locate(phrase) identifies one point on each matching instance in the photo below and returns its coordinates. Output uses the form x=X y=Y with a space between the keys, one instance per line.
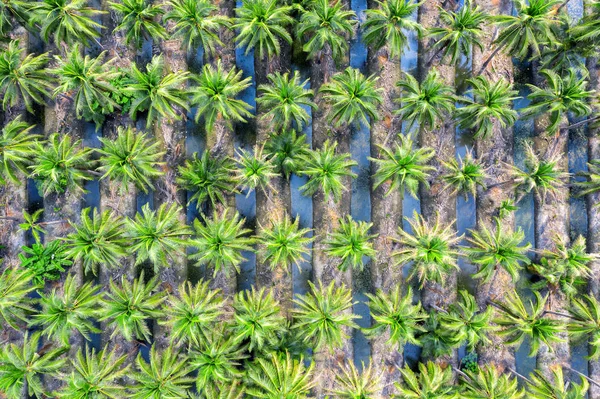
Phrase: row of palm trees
x=254 y=342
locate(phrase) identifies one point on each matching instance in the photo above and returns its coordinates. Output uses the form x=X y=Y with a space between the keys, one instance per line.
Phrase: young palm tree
x=166 y=375
x=15 y=304
x=15 y=10
x=326 y=171
x=284 y=243
x=499 y=249
x=193 y=313
x=541 y=386
x=220 y=241
x=73 y=307
x=23 y=366
x=288 y=151
x=262 y=24
x=197 y=22
x=326 y=26
x=97 y=240
x=568 y=51
x=566 y=268
x=255 y=170
x=129 y=306
x=23 y=79
x=585 y=322
x=31 y=224
x=563 y=95
x=131 y=158
x=216 y=94
x=518 y=321
x=489 y=105
x=139 y=21
x=60 y=165
x=588 y=28
x=437 y=340
x=430 y=248
x=353 y=97
x=461 y=32
x=489 y=383
x=427 y=103
x=94 y=373
x=279 y=376
x=86 y=81
x=592 y=183
x=322 y=315
x=352 y=384
x=285 y=100
x=432 y=381
x=157 y=91
x=46 y=262
x=387 y=24
x=208 y=178
x=257 y=320
x=406 y=167
x=69 y=21
x=464 y=175
x=396 y=314
x=157 y=235
x=17 y=148
x=351 y=242
x=542 y=176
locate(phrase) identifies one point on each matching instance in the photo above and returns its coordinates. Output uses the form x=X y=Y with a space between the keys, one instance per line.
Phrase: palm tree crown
x=464 y=175
x=139 y=21
x=288 y=150
x=432 y=381
x=351 y=242
x=280 y=377
x=352 y=384
x=17 y=148
x=284 y=243
x=15 y=305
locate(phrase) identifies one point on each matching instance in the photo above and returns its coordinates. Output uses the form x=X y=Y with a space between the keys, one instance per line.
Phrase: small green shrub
x=46 y=261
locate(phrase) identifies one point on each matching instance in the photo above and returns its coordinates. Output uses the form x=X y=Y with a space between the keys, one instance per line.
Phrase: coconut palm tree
x=489 y=104
x=592 y=183
x=460 y=33
x=563 y=95
x=192 y=313
x=197 y=22
x=262 y=24
x=131 y=158
x=588 y=27
x=31 y=224
x=568 y=51
x=464 y=175
x=139 y=21
x=326 y=27
x=387 y=24
x=284 y=243
x=352 y=384
x=353 y=98
x=220 y=241
x=326 y=171
x=15 y=304
x=285 y=100
x=518 y=321
x=128 y=306
x=60 y=165
x=94 y=372
x=322 y=315
x=46 y=261
x=432 y=381
x=585 y=322
x=216 y=94
x=288 y=151
x=566 y=268
x=489 y=383
x=97 y=240
x=86 y=82
x=257 y=320
x=437 y=340
x=255 y=170
x=17 y=148
x=23 y=79
x=491 y=250
x=351 y=242
x=427 y=103
x=406 y=166
x=22 y=367
x=165 y=375
x=208 y=178
x=70 y=308
x=15 y=10
x=68 y=21
x=279 y=376
x=395 y=313
x=542 y=386
x=157 y=235
x=156 y=91
x=431 y=248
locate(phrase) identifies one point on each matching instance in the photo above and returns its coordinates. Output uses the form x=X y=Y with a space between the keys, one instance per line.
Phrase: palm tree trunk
x=386 y=213
x=551 y=220
x=433 y=200
x=497 y=149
